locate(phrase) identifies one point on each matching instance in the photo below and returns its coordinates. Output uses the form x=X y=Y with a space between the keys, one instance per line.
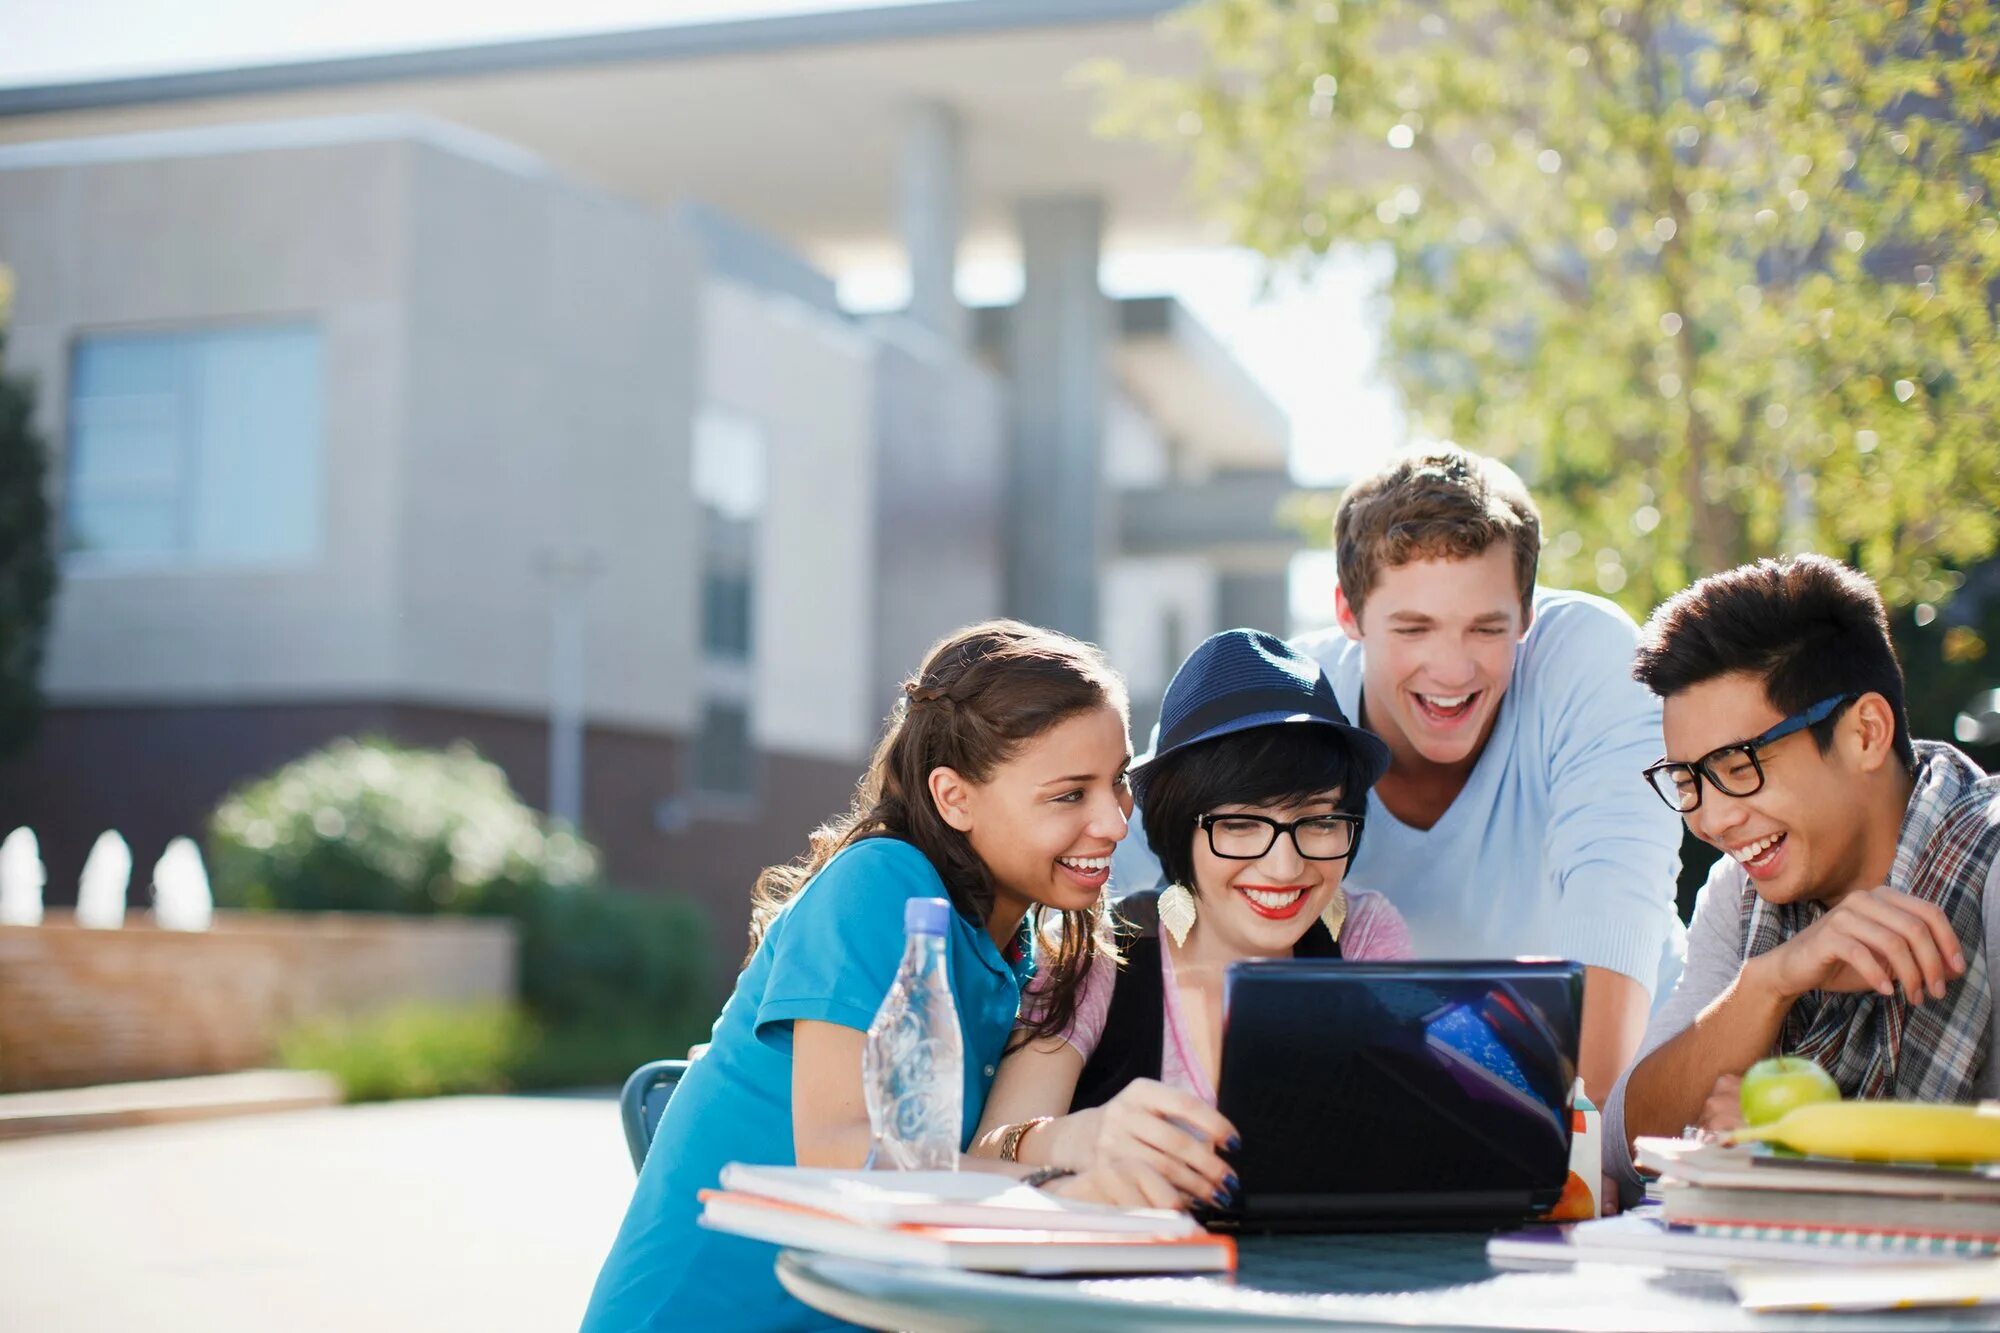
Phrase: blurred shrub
x=589 y=955
x=596 y=1054
x=614 y=979
x=609 y=979
x=414 y=1050
x=27 y=550
x=371 y=826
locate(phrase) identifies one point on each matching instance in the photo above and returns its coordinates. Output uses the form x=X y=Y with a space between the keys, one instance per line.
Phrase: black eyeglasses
x=1733 y=770
x=1247 y=837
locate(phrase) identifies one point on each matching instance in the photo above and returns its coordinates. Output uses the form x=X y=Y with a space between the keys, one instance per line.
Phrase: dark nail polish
x=1235 y=1143
x=1221 y=1198
x=1231 y=1183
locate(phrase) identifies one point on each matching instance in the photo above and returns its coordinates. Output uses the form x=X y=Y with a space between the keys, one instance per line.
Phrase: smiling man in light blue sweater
x=1509 y=822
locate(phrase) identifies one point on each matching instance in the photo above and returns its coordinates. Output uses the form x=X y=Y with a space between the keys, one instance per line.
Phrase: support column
x=931 y=189
x=1261 y=599
x=1058 y=528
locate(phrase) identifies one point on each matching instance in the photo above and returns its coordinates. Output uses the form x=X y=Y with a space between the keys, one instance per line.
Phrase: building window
x=725 y=614
x=729 y=488
x=728 y=485
x=725 y=760
x=196 y=447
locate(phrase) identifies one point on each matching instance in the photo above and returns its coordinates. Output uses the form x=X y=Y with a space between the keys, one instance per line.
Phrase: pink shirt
x=1374 y=930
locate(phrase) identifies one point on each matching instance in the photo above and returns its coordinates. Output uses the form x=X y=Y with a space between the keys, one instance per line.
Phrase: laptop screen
x=1393 y=1093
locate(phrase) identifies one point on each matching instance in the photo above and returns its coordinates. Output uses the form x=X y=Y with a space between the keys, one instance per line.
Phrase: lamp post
x=569 y=571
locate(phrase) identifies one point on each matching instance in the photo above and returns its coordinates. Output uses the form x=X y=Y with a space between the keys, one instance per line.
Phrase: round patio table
x=1353 y=1282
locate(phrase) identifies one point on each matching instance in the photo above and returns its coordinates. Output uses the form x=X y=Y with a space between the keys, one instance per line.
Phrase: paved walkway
x=164 y=1101
x=487 y=1213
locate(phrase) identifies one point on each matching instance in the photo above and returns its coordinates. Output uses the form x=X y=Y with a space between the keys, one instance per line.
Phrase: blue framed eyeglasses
x=1733 y=770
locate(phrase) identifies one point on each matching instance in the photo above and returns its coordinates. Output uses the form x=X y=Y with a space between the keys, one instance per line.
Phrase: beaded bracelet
x=1044 y=1175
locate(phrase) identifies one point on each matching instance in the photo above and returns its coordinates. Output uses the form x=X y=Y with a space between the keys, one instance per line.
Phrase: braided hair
x=980 y=695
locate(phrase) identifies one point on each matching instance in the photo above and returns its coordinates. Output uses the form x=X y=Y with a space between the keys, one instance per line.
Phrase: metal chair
x=644 y=1100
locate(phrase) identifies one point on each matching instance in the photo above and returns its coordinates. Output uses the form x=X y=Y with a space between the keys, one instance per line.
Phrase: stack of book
x=955 y=1219
x=1721 y=1207
x=1755 y=1193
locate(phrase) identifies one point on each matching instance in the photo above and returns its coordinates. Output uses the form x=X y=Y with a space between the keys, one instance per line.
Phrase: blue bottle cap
x=927 y=916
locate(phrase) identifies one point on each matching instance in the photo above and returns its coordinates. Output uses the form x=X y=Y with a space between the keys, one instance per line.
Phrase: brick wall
x=84 y=1006
x=154 y=772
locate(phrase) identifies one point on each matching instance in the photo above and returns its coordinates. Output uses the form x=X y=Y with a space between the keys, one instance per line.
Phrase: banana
x=1882 y=1131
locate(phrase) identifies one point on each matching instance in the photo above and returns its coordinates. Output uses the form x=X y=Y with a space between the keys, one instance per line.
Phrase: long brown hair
x=980 y=695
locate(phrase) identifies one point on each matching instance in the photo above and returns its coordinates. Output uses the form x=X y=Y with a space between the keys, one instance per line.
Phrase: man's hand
x=1873 y=939
x=1723 y=1111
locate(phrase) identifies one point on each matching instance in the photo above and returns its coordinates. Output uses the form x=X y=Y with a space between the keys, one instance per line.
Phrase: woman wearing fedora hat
x=1253 y=802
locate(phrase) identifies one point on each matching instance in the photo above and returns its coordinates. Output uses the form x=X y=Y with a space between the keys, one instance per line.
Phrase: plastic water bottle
x=913 y=1063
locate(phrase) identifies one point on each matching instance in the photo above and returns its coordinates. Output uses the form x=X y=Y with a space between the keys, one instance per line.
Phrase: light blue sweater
x=1555 y=846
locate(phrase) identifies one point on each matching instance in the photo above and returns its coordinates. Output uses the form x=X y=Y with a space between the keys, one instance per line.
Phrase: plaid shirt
x=1881 y=1045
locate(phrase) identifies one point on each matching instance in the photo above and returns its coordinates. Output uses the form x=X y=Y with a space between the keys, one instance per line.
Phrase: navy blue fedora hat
x=1243 y=678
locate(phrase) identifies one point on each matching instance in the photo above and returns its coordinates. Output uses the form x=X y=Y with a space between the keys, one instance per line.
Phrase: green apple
x=1774 y=1086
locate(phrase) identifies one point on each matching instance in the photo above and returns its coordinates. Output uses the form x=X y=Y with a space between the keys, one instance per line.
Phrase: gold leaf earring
x=1176 y=909
x=1335 y=915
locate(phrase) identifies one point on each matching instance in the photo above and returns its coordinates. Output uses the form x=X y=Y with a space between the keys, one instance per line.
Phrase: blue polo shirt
x=829 y=956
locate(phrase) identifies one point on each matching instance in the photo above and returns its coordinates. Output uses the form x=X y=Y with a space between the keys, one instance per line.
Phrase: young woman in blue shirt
x=1000 y=784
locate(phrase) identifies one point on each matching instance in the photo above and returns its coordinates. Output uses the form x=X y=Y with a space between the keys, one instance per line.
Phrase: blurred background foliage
x=368 y=825
x=608 y=979
x=1716 y=275
x=27 y=553
x=414 y=1050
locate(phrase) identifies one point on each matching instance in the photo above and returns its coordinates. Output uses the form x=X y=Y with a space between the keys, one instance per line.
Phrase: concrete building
x=396 y=395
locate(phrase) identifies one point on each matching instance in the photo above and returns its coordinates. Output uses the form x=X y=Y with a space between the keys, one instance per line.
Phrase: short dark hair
x=1809 y=627
x=1272 y=765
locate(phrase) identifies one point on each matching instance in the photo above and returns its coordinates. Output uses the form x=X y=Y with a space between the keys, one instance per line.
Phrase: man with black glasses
x=1847 y=921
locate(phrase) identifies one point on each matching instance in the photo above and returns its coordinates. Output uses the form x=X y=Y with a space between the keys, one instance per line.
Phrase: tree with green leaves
x=1717 y=275
x=27 y=563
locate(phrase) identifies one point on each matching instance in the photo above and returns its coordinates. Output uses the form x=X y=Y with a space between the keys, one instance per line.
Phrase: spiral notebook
x=1843 y=1241
x=1642 y=1238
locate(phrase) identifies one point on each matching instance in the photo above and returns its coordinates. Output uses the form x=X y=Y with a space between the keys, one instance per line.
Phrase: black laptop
x=1390 y=1096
